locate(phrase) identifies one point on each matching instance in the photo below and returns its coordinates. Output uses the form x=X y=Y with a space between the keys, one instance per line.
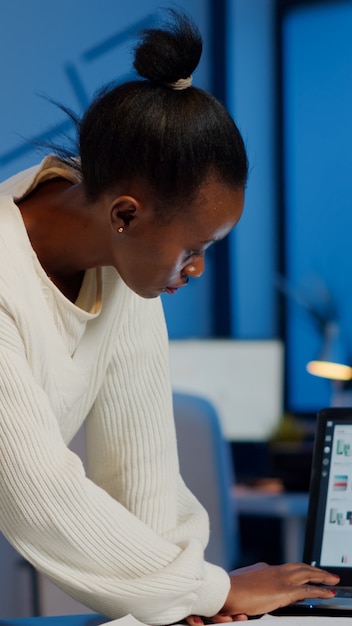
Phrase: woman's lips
x=172 y=290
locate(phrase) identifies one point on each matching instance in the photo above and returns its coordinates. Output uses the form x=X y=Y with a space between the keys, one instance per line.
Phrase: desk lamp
x=333 y=361
x=333 y=364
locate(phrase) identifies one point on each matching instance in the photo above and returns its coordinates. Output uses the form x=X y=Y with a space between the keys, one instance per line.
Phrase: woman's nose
x=195 y=269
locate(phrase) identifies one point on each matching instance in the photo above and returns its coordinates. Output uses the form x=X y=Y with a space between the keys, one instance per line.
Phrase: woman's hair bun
x=166 y=54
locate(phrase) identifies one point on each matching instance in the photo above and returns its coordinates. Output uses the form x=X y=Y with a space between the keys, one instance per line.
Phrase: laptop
x=328 y=536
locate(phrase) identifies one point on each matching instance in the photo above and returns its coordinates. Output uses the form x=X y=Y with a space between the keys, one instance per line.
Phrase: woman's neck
x=54 y=217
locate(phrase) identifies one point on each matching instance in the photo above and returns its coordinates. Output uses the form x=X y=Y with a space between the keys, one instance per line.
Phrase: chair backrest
x=207 y=469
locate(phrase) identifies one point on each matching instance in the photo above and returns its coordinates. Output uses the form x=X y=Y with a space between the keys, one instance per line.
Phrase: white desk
x=290 y=508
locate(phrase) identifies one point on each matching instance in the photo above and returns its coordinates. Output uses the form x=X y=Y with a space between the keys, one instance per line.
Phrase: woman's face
x=153 y=257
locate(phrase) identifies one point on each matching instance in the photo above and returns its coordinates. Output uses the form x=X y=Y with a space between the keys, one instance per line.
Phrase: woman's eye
x=192 y=253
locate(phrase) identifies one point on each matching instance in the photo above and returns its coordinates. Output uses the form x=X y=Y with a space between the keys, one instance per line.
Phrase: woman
x=87 y=247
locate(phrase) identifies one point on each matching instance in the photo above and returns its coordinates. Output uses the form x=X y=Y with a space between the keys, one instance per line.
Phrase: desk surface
x=256 y=502
x=57 y=620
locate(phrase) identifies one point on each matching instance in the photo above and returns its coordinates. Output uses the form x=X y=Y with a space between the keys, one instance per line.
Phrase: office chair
x=206 y=467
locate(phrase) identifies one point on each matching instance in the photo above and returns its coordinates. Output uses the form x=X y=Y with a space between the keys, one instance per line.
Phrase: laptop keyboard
x=343 y=592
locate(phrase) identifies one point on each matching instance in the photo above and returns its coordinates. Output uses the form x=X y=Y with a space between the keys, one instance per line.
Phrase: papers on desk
x=266 y=620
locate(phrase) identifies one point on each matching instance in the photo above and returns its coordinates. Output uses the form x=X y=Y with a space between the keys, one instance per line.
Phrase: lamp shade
x=333 y=362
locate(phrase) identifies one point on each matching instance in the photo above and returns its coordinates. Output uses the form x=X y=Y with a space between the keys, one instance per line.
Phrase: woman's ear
x=122 y=211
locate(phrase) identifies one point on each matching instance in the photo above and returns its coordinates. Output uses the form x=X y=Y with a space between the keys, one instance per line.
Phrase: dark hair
x=145 y=129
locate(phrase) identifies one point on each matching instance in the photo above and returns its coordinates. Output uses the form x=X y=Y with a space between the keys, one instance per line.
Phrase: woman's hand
x=224 y=617
x=261 y=588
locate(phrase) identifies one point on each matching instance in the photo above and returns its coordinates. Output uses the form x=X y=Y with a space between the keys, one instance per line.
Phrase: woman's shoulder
x=17 y=184
x=23 y=182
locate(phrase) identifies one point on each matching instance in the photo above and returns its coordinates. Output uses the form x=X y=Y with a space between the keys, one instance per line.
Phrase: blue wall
x=67 y=51
x=317 y=64
x=317 y=138
x=251 y=100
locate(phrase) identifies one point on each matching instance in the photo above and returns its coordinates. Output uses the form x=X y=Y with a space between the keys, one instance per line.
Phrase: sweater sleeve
x=116 y=545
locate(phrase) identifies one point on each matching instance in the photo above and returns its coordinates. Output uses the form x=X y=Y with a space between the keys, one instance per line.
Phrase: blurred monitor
x=243 y=380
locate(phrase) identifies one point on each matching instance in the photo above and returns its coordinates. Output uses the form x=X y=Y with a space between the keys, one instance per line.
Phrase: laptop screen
x=329 y=522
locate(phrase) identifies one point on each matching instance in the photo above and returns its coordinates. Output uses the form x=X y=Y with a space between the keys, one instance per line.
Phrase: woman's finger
x=194 y=620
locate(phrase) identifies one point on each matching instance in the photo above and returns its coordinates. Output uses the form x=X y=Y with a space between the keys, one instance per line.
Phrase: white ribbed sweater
x=127 y=536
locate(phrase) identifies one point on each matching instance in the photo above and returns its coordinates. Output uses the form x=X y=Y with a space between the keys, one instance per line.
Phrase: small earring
x=120 y=229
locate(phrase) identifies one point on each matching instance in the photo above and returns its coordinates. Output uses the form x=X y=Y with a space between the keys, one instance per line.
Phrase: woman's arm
x=115 y=560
